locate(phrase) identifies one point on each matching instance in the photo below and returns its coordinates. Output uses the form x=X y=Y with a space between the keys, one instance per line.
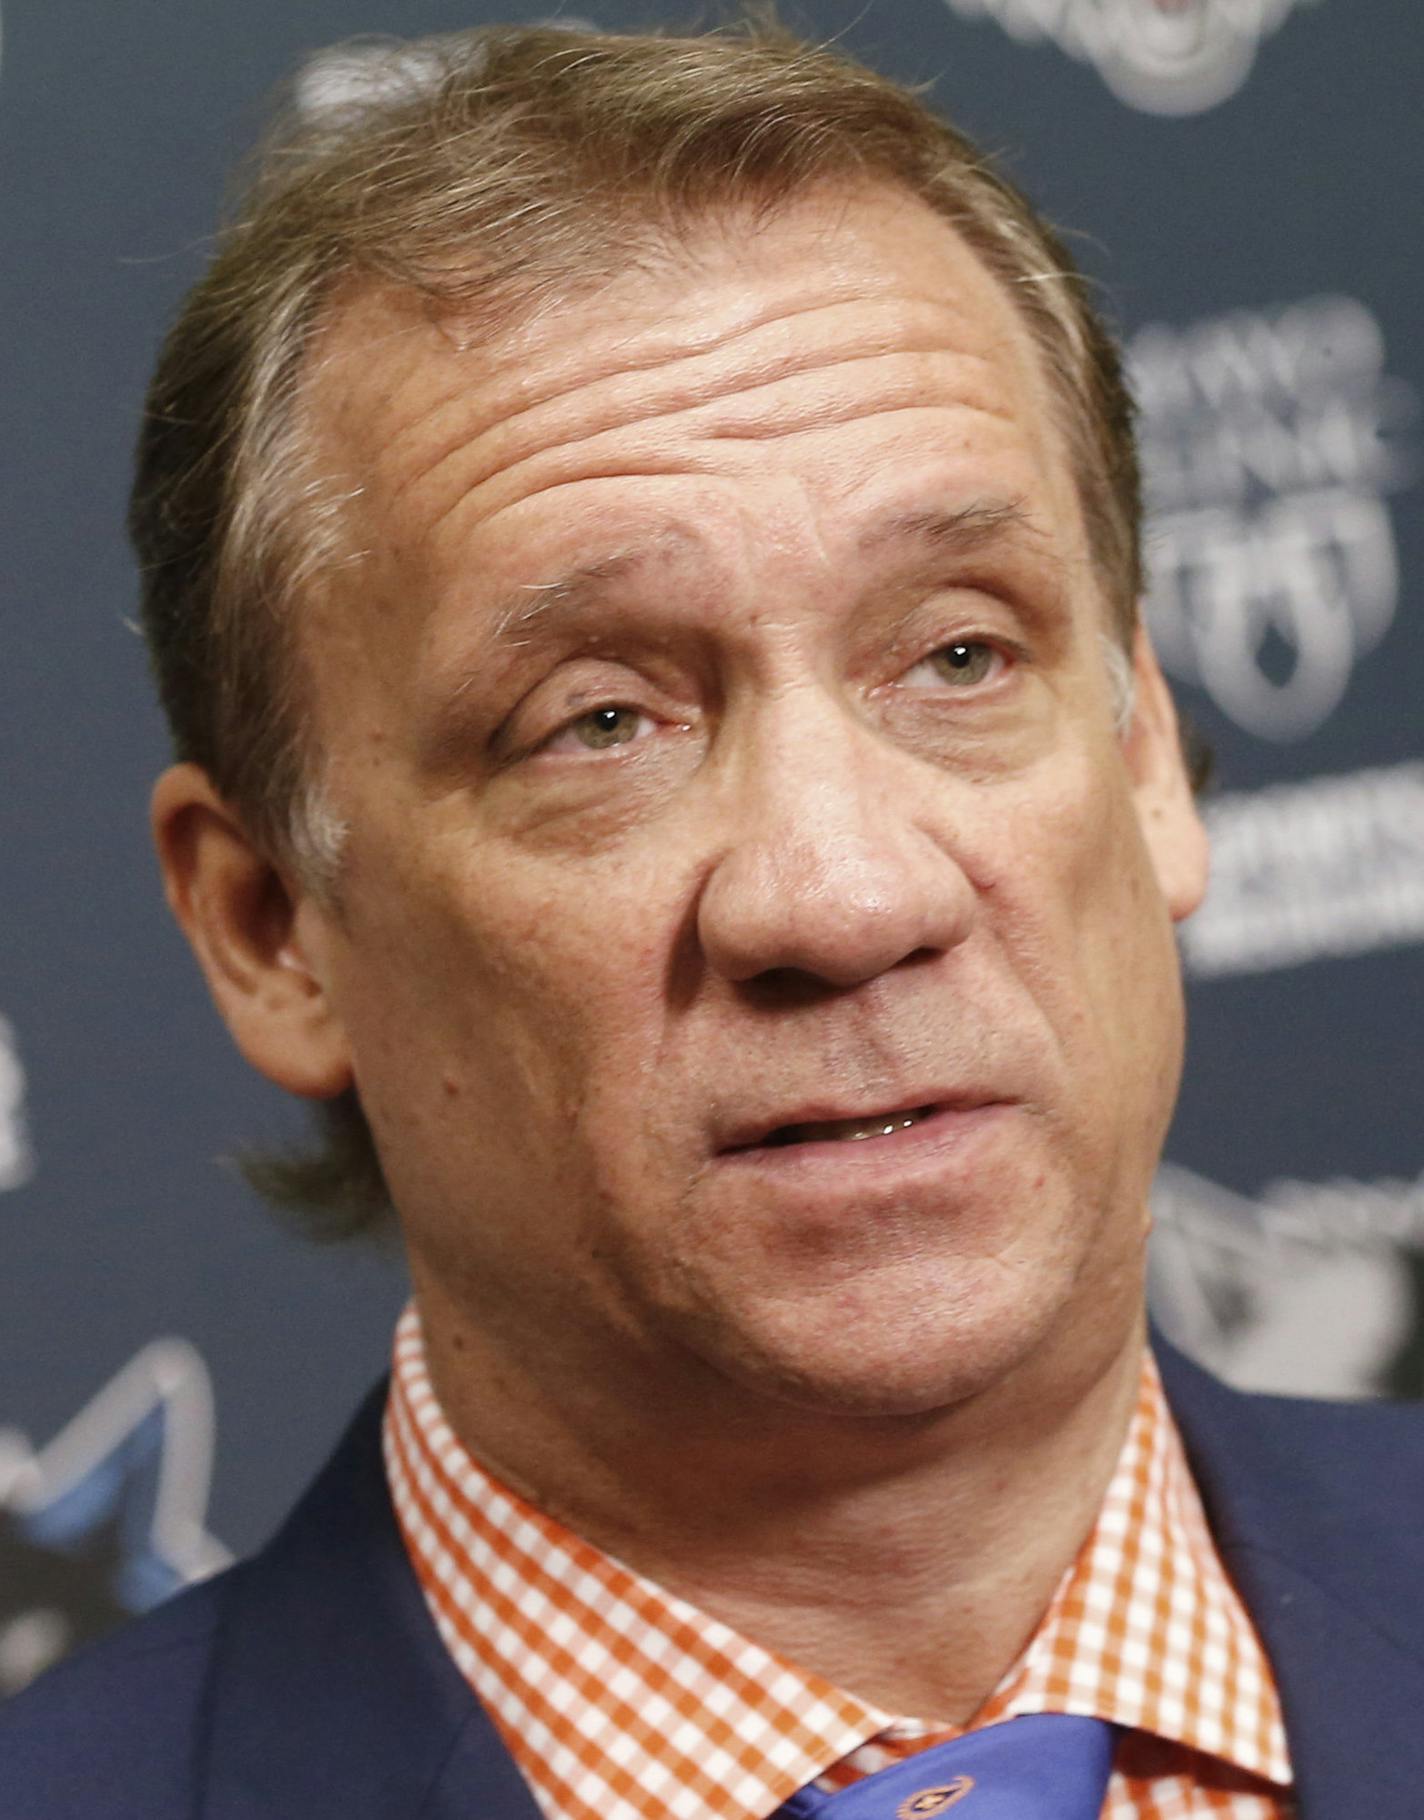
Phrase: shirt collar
x=621 y=1701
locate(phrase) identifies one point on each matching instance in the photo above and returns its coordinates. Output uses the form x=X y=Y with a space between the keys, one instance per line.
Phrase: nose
x=834 y=867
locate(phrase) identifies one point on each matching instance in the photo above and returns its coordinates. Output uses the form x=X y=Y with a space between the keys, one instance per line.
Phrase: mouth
x=821 y=1129
x=843 y=1159
x=860 y=1130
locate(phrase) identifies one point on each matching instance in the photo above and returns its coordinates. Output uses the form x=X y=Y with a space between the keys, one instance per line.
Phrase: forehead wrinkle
x=746 y=416
x=691 y=346
x=779 y=346
x=523 y=395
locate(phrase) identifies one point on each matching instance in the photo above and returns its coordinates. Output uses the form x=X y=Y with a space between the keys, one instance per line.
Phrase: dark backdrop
x=1244 y=178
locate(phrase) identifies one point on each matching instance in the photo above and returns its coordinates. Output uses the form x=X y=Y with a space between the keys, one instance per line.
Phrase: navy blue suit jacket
x=310 y=1684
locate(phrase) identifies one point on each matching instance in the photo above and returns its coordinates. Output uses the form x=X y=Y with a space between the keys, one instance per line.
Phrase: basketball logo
x=928 y=1801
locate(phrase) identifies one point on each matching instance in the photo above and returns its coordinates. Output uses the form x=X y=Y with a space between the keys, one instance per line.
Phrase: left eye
x=600 y=728
x=961 y=665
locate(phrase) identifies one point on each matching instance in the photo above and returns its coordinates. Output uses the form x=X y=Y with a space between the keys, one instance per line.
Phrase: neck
x=906 y=1560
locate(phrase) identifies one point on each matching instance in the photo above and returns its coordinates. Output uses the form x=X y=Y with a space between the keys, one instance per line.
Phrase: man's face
x=754 y=950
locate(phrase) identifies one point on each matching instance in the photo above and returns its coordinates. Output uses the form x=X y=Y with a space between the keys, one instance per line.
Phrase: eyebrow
x=955 y=533
x=951 y=532
x=520 y=612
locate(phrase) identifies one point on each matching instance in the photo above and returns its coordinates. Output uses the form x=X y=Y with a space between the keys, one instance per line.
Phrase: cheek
x=1131 y=995
x=1089 y=935
x=492 y=995
x=1095 y=867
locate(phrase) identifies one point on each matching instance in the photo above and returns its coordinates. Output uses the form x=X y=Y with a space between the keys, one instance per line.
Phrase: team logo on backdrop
x=1163 y=56
x=1307 y=871
x=1271 y=443
x=17 y=1161
x=1311 y=1288
x=109 y=1517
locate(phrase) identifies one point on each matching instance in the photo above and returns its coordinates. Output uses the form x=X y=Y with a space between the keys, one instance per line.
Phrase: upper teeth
x=880 y=1124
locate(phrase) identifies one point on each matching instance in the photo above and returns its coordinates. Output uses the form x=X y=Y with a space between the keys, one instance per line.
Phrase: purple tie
x=1045 y=1766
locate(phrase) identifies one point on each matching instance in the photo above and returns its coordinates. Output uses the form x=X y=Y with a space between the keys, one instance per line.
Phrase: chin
x=928 y=1349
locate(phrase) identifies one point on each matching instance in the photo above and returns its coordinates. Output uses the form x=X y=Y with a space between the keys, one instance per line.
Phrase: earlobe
x=257 y=939
x=1166 y=810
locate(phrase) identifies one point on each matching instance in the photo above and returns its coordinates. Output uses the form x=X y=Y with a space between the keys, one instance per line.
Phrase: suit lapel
x=332 y=1694
x=1316 y=1512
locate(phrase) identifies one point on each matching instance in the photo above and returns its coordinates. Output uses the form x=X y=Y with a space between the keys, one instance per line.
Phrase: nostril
x=788 y=988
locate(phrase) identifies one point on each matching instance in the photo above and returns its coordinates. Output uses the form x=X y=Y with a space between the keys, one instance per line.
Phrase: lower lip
x=930 y=1141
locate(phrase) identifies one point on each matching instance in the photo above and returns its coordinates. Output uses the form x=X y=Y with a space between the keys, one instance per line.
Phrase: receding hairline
x=365 y=314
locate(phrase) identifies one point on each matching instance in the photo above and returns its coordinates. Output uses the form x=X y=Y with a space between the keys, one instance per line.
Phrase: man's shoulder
x=125 y=1729
x=114 y=1729
x=307 y=1681
x=1319 y=1436
x=1315 y=1509
x=1335 y=1483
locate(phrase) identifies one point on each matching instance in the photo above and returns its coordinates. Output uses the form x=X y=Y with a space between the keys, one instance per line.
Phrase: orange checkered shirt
x=620 y=1701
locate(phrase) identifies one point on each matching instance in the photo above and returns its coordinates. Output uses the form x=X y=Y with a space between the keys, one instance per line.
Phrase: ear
x=260 y=941
x=1166 y=812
